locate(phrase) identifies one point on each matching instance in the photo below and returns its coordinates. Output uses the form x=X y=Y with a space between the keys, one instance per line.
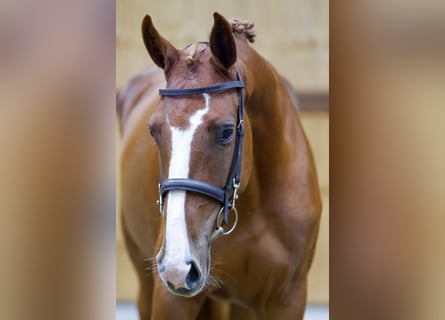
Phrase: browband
x=200 y=90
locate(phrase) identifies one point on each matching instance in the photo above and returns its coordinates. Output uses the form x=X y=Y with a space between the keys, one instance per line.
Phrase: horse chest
x=249 y=266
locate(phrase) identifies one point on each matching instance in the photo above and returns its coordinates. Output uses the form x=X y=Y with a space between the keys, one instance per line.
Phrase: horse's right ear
x=161 y=51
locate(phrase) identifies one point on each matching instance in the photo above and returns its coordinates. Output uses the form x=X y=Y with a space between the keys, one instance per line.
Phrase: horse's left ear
x=222 y=42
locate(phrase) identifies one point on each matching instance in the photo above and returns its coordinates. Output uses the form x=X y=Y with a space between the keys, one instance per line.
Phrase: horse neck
x=269 y=107
x=267 y=98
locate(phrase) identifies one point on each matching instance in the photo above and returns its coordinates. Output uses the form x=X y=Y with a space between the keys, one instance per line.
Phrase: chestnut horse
x=226 y=138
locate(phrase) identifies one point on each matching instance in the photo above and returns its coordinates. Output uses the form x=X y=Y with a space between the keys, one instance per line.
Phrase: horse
x=225 y=138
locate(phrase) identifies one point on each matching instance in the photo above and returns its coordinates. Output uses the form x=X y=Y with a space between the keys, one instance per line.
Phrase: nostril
x=193 y=276
x=170 y=285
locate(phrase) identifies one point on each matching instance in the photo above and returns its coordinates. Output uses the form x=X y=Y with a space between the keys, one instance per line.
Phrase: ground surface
x=128 y=311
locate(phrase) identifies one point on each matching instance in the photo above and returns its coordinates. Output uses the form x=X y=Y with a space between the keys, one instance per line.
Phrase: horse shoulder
x=138 y=158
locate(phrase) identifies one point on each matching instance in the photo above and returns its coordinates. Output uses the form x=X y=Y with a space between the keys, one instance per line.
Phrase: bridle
x=228 y=194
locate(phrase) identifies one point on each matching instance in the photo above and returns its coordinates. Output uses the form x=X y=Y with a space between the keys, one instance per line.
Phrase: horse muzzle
x=184 y=279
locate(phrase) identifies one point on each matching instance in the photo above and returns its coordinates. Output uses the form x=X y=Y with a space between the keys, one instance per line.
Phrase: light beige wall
x=316 y=125
x=292 y=34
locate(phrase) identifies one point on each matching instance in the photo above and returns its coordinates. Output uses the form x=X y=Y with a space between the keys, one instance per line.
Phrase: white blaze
x=177 y=248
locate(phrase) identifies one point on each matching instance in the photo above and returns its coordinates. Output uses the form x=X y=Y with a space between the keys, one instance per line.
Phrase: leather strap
x=194 y=186
x=200 y=90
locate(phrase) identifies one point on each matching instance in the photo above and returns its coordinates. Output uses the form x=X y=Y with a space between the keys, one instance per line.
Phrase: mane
x=244 y=28
x=193 y=52
x=239 y=27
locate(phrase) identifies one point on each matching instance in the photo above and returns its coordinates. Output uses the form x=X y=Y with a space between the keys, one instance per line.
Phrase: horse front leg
x=167 y=306
x=145 y=300
x=293 y=308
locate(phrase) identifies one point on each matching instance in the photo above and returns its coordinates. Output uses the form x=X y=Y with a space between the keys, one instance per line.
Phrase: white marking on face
x=177 y=249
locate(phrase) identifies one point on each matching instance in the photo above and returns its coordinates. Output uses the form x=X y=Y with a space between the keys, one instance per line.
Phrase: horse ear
x=161 y=51
x=222 y=42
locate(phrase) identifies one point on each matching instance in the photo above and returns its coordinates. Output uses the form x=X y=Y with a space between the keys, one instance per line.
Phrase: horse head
x=196 y=138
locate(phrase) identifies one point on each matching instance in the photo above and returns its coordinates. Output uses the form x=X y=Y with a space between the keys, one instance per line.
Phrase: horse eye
x=224 y=134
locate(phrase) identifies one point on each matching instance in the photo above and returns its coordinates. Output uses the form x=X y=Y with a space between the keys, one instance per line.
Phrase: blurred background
x=293 y=35
x=57 y=163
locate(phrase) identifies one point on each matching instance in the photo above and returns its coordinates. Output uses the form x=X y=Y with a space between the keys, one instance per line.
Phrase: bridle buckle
x=236 y=186
x=160 y=202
